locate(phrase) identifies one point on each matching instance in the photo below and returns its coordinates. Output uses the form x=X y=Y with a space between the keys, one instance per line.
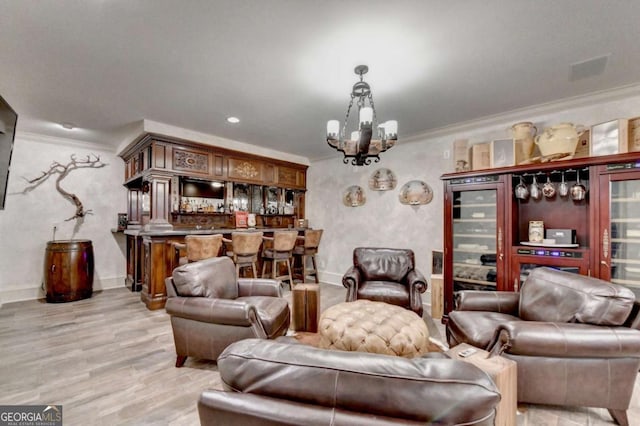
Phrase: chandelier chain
x=375 y=119
x=346 y=117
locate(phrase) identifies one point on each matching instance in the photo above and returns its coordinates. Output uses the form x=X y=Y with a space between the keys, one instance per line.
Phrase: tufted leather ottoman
x=367 y=326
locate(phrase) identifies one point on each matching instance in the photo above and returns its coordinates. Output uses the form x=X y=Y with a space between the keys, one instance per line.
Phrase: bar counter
x=190 y=231
x=150 y=257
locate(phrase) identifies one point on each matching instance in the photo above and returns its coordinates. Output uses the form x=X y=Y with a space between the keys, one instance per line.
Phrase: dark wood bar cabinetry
x=178 y=187
x=486 y=227
x=617 y=235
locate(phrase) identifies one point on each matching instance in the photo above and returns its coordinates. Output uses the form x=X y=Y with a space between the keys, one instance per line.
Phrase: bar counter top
x=189 y=231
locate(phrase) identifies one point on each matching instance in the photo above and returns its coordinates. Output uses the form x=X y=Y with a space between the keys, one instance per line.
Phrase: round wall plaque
x=382 y=180
x=354 y=196
x=415 y=192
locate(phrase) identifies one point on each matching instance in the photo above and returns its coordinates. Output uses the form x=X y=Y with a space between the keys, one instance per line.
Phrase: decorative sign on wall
x=354 y=196
x=382 y=180
x=415 y=192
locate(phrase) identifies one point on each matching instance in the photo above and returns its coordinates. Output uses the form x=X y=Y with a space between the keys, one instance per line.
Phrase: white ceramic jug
x=525 y=132
x=559 y=139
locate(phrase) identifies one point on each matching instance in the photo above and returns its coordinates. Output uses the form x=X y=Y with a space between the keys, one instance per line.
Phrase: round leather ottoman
x=367 y=326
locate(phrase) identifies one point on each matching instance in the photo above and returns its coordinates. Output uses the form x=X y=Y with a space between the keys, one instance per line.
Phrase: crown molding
x=220 y=142
x=525 y=114
x=54 y=140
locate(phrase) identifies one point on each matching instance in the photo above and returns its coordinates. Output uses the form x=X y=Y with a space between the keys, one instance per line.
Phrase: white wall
x=26 y=223
x=383 y=221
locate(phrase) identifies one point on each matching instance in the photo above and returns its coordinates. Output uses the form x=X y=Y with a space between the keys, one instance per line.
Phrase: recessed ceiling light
x=233 y=120
x=68 y=126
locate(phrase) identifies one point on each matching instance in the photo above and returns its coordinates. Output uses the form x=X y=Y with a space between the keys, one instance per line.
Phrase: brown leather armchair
x=272 y=383
x=211 y=308
x=385 y=275
x=566 y=333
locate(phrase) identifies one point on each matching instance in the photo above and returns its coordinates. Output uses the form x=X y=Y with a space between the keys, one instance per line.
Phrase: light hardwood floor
x=110 y=361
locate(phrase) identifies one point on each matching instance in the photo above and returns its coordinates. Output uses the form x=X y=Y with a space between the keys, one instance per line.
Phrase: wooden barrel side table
x=68 y=270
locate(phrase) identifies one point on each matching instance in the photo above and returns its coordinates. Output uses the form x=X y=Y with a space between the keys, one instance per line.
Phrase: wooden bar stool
x=278 y=249
x=306 y=251
x=246 y=246
x=197 y=247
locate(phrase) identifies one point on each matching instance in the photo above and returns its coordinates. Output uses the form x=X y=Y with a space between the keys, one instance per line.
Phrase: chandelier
x=360 y=149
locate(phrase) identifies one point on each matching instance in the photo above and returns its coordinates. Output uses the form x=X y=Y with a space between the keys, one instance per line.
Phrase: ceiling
x=285 y=67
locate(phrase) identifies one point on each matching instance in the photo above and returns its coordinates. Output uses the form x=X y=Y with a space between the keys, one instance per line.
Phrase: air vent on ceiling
x=588 y=68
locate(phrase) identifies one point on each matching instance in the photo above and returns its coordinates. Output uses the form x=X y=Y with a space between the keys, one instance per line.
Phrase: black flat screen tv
x=201 y=188
x=8 y=120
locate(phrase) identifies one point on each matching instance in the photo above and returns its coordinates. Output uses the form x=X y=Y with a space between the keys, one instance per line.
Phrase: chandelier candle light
x=360 y=149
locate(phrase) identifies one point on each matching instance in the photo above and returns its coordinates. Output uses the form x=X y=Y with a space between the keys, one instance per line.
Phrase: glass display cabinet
x=619 y=233
x=474 y=235
x=474 y=240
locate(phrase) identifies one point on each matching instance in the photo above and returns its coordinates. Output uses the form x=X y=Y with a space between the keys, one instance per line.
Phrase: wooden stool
x=308 y=250
x=306 y=307
x=277 y=249
x=246 y=246
x=198 y=247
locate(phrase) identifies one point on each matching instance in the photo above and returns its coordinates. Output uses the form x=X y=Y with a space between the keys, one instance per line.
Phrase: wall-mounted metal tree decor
x=62 y=170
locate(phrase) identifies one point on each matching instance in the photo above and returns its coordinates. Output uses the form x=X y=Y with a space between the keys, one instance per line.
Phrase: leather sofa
x=273 y=383
x=565 y=331
x=385 y=275
x=211 y=308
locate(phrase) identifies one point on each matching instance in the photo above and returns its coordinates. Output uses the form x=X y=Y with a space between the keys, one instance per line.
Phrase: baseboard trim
x=332 y=278
x=37 y=292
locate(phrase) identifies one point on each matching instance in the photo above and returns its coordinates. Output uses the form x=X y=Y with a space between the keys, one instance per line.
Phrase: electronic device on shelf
x=555 y=245
x=550 y=253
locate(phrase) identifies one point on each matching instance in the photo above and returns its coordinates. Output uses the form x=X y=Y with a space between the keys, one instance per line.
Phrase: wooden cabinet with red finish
x=617 y=238
x=475 y=235
x=487 y=219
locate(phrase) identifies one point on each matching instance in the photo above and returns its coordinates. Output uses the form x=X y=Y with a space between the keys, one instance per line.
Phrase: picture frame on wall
x=502 y=153
x=609 y=138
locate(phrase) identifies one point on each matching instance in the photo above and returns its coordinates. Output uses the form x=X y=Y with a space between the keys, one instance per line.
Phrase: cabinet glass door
x=475 y=236
x=624 y=219
x=525 y=259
